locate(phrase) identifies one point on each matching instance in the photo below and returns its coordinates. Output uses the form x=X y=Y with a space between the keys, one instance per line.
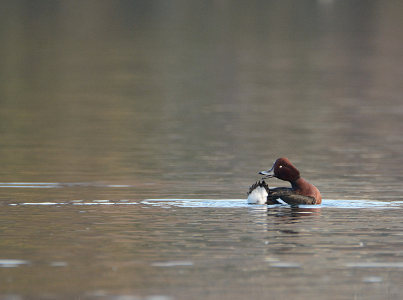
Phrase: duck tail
x=257 y=184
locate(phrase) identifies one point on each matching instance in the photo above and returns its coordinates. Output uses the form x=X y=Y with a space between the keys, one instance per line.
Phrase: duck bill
x=267 y=174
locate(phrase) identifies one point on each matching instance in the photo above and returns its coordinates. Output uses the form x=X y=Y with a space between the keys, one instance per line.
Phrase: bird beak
x=268 y=174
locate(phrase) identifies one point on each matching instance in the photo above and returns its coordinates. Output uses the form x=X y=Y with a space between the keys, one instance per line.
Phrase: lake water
x=131 y=131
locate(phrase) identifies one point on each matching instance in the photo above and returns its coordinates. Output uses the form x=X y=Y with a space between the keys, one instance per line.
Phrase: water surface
x=131 y=131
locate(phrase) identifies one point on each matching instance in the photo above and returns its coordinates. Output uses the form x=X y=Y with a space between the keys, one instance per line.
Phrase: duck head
x=282 y=169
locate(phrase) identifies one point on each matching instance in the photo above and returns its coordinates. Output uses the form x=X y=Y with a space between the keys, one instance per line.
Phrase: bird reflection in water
x=295 y=214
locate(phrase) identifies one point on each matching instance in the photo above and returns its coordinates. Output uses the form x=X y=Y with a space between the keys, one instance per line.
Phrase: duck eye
x=280 y=167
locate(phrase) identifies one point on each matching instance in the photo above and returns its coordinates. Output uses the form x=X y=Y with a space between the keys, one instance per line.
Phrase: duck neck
x=297 y=184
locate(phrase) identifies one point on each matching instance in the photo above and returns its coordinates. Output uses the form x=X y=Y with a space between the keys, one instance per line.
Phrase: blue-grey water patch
x=12 y=263
x=225 y=203
x=58 y=264
x=50 y=185
x=167 y=264
x=77 y=202
x=239 y=203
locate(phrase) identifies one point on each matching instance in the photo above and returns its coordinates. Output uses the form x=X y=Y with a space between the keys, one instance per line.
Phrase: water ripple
x=12 y=263
x=50 y=185
x=77 y=202
x=227 y=203
x=239 y=203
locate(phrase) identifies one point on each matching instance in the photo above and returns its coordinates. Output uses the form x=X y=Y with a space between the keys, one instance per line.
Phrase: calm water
x=131 y=131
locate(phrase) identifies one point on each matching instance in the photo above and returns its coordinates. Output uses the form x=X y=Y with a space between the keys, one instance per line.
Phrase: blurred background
x=192 y=98
x=106 y=102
